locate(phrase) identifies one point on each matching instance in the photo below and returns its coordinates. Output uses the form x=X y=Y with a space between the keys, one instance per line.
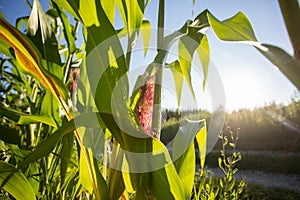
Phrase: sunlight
x=243 y=90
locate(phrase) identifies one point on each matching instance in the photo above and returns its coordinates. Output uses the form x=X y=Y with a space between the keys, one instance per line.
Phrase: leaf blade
x=16 y=183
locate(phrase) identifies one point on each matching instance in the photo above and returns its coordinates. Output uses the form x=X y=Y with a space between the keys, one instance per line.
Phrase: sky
x=248 y=78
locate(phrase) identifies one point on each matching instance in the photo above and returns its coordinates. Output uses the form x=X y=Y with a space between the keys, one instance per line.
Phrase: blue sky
x=248 y=78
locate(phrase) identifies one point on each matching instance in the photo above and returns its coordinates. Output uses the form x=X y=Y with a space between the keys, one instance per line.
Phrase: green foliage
x=44 y=126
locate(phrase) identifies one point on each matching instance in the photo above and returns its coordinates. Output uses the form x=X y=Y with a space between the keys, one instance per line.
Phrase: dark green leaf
x=25 y=119
x=285 y=63
x=10 y=135
x=291 y=15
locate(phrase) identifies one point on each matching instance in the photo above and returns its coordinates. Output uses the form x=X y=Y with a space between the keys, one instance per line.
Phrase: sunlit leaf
x=202 y=141
x=285 y=63
x=109 y=8
x=178 y=78
x=146 y=34
x=291 y=14
x=186 y=51
x=30 y=60
x=204 y=56
x=6 y=49
x=16 y=183
x=165 y=179
x=84 y=171
x=131 y=13
x=236 y=28
x=184 y=154
x=67 y=28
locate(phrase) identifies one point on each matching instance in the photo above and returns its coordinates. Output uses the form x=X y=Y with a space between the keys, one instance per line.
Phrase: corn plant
x=66 y=133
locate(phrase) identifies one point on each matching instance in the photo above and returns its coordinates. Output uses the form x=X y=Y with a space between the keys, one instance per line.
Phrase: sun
x=243 y=90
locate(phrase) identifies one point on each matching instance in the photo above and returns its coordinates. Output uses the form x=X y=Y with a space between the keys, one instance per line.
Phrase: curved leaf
x=30 y=59
x=285 y=63
x=15 y=182
x=235 y=29
x=291 y=15
x=204 y=57
x=178 y=78
x=24 y=119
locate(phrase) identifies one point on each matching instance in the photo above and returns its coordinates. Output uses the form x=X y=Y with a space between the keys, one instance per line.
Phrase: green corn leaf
x=101 y=183
x=178 y=78
x=291 y=16
x=66 y=154
x=67 y=28
x=237 y=28
x=6 y=49
x=84 y=171
x=285 y=63
x=30 y=60
x=201 y=140
x=85 y=180
x=204 y=56
x=109 y=8
x=45 y=147
x=25 y=119
x=10 y=135
x=131 y=13
x=71 y=7
x=165 y=179
x=15 y=183
x=146 y=34
x=185 y=52
x=115 y=181
x=184 y=154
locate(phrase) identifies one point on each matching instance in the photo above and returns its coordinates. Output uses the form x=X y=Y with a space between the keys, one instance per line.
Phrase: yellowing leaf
x=30 y=60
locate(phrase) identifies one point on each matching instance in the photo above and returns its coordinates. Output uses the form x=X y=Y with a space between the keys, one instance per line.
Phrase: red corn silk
x=145 y=104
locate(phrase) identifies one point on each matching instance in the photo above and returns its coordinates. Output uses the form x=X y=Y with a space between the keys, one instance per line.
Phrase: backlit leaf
x=201 y=140
x=146 y=34
x=30 y=60
x=178 y=78
x=204 y=56
x=285 y=63
x=236 y=28
x=16 y=183
x=291 y=16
